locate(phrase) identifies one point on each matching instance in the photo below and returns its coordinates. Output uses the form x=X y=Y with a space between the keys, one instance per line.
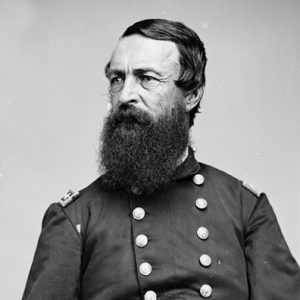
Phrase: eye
x=116 y=80
x=116 y=83
x=147 y=78
x=148 y=82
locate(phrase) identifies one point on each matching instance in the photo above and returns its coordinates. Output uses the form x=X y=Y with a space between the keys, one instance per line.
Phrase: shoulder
x=78 y=206
x=74 y=199
x=224 y=180
x=235 y=194
x=217 y=175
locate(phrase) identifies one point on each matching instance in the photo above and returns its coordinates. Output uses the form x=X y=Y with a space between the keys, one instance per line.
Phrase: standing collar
x=189 y=167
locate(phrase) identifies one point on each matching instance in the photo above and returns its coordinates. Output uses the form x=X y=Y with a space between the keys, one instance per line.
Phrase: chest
x=173 y=243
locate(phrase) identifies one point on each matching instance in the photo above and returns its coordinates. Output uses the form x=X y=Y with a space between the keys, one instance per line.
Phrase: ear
x=192 y=99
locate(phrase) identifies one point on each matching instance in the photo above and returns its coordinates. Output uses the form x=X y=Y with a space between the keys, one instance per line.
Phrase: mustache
x=127 y=113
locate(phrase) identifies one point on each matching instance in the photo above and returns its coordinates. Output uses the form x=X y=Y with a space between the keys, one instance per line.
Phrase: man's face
x=142 y=72
x=145 y=135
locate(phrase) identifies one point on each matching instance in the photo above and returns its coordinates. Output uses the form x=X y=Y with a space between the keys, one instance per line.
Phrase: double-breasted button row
x=141 y=241
x=203 y=234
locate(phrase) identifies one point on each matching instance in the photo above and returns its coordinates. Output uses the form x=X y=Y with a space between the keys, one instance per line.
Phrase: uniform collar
x=189 y=167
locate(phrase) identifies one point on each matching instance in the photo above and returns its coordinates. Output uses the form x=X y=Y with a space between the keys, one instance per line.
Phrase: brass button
x=138 y=213
x=205 y=260
x=206 y=291
x=145 y=269
x=203 y=233
x=141 y=240
x=198 y=179
x=201 y=203
x=150 y=295
x=135 y=190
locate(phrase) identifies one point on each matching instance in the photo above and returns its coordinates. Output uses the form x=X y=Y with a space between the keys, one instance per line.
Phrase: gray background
x=53 y=99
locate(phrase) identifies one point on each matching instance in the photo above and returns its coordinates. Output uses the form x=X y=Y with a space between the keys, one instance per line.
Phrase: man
x=157 y=224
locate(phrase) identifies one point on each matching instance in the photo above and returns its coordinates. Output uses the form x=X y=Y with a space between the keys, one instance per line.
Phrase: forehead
x=136 y=51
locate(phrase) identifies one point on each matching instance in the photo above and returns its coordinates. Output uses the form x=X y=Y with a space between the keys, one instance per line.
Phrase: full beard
x=138 y=151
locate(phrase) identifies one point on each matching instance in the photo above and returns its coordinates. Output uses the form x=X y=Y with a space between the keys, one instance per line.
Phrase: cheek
x=113 y=100
x=168 y=100
x=156 y=101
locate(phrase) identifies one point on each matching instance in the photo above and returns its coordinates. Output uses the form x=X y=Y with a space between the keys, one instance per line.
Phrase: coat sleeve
x=55 y=271
x=272 y=271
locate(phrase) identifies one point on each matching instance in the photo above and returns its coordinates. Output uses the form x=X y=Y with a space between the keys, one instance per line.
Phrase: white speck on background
x=204 y=25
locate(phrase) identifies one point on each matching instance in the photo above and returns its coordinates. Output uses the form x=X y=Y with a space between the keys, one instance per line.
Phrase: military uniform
x=204 y=235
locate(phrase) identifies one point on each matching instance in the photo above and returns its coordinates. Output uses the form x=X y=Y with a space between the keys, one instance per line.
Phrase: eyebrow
x=145 y=70
x=136 y=72
x=114 y=72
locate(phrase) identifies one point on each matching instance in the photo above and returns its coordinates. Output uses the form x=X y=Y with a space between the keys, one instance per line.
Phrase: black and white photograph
x=149 y=150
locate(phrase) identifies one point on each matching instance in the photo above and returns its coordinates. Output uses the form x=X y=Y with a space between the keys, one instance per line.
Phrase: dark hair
x=191 y=49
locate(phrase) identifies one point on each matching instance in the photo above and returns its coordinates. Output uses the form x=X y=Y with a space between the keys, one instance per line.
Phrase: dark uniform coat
x=203 y=236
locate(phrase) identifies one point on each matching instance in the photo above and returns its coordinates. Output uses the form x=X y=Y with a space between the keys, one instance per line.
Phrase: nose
x=129 y=93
